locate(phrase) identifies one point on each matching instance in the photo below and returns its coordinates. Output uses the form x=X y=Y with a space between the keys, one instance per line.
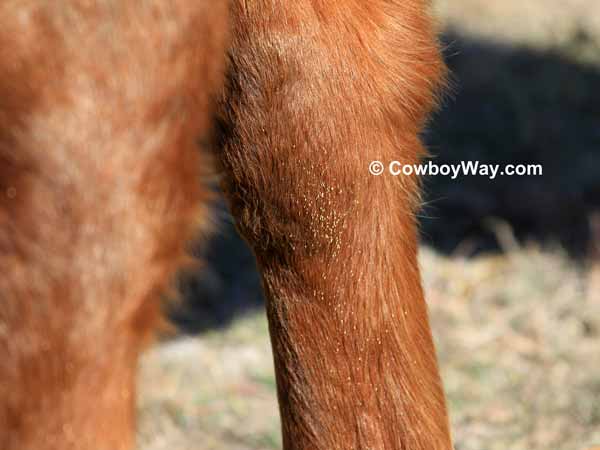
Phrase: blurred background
x=511 y=266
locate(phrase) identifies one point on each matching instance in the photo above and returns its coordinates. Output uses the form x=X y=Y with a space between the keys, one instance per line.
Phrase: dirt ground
x=511 y=268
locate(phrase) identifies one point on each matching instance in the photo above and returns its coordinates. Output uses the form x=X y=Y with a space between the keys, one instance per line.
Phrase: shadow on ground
x=517 y=106
x=511 y=105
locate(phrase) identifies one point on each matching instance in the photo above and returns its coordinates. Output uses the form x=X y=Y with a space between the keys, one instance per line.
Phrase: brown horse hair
x=102 y=104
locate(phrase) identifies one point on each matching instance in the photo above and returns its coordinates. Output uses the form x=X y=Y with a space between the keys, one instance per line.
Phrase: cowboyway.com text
x=454 y=171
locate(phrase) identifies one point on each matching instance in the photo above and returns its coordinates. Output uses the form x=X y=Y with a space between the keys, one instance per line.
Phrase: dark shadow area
x=226 y=287
x=510 y=105
x=516 y=106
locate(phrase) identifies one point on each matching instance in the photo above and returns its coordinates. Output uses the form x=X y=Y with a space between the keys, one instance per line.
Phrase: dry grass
x=543 y=24
x=518 y=333
x=519 y=342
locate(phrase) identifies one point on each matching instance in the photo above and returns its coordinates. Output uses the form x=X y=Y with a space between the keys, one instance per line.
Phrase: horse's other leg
x=101 y=107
